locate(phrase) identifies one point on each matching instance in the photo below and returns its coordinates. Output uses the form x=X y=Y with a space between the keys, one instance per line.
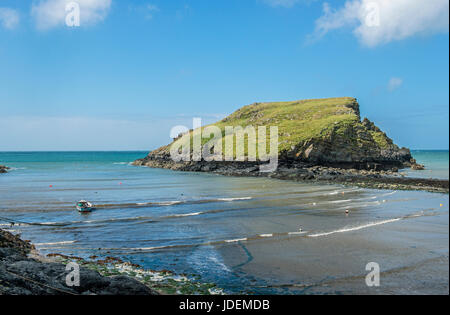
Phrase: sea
x=247 y=235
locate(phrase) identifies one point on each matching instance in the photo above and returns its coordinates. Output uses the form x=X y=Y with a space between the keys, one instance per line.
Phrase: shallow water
x=243 y=233
x=436 y=164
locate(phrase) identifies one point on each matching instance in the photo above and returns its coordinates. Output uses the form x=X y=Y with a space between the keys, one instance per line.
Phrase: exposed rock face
x=3 y=169
x=326 y=132
x=353 y=146
x=21 y=275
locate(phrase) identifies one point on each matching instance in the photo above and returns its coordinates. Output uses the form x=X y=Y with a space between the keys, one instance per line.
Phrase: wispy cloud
x=394 y=83
x=150 y=10
x=376 y=22
x=9 y=18
x=52 y=13
x=147 y=10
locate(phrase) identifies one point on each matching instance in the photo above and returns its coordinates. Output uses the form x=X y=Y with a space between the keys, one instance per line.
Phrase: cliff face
x=320 y=132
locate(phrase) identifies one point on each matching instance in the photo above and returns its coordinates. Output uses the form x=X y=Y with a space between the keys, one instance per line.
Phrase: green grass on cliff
x=301 y=121
x=297 y=121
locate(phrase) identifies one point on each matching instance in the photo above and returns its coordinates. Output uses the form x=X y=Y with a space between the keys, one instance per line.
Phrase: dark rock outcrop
x=299 y=171
x=22 y=275
x=3 y=169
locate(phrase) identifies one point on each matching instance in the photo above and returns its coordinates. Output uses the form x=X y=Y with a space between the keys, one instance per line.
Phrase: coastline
x=24 y=271
x=258 y=210
x=376 y=179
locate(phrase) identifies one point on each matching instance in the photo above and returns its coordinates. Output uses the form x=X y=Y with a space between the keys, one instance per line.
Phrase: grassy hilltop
x=320 y=131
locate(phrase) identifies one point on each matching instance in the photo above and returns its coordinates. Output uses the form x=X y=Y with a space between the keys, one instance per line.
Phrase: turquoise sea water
x=436 y=164
x=242 y=233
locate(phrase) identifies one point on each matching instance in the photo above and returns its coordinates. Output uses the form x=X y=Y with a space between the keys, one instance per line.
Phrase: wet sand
x=412 y=254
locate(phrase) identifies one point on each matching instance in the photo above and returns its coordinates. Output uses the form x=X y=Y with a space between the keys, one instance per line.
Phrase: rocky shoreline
x=3 y=169
x=378 y=177
x=24 y=272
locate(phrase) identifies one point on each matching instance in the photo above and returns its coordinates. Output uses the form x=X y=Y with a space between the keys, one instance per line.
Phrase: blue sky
x=135 y=69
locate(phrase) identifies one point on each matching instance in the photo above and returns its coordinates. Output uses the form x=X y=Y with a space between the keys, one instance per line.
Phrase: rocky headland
x=323 y=140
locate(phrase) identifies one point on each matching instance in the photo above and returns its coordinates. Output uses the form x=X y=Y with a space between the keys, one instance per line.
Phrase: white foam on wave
x=336 y=192
x=121 y=163
x=236 y=240
x=188 y=214
x=360 y=205
x=51 y=223
x=163 y=203
x=234 y=199
x=169 y=203
x=339 y=201
x=55 y=243
x=389 y=193
x=347 y=200
x=218 y=262
x=296 y=233
x=17 y=168
x=265 y=235
x=356 y=228
x=146 y=248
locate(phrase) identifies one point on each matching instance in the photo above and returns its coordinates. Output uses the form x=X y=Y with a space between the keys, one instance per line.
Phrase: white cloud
x=377 y=22
x=52 y=13
x=9 y=18
x=394 y=83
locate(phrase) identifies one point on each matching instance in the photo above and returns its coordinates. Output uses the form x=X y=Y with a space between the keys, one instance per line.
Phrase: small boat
x=84 y=206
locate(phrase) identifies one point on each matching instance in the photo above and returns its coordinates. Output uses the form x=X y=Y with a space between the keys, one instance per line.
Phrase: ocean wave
x=339 y=201
x=17 y=168
x=355 y=228
x=261 y=237
x=185 y=215
x=297 y=233
x=346 y=191
x=170 y=203
x=234 y=199
x=55 y=243
x=236 y=240
x=389 y=193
